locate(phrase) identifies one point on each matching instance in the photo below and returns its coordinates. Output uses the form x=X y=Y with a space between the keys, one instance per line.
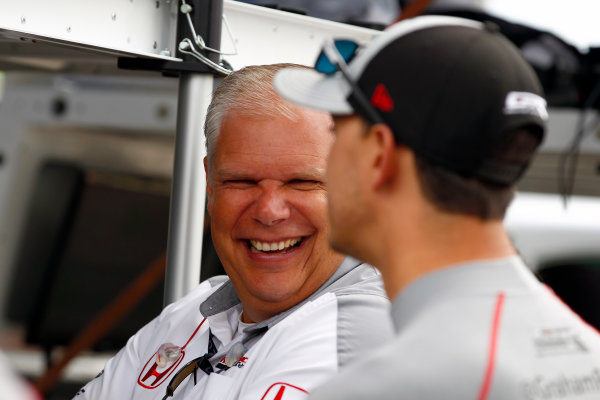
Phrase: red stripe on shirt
x=489 y=371
x=193 y=334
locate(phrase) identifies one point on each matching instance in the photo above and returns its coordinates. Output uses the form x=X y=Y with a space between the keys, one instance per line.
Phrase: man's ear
x=384 y=164
x=209 y=189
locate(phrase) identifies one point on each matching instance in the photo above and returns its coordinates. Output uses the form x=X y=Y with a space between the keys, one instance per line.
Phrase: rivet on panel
x=162 y=112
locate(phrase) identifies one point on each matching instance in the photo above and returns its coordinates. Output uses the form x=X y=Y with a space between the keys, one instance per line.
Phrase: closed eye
x=306 y=184
x=239 y=183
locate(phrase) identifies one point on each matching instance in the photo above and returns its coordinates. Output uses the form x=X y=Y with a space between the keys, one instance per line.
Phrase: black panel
x=50 y=211
x=578 y=285
x=88 y=235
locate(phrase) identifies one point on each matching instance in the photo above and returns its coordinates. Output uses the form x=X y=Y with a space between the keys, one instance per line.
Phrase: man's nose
x=271 y=206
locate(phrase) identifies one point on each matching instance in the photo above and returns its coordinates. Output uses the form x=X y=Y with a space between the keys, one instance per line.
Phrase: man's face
x=347 y=211
x=268 y=207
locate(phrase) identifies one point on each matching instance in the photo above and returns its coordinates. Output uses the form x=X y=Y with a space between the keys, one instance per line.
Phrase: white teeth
x=273 y=246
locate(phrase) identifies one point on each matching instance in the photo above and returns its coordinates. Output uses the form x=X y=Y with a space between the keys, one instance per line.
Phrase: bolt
x=114 y=16
x=23 y=20
x=162 y=111
x=58 y=107
x=185 y=8
x=68 y=29
x=154 y=45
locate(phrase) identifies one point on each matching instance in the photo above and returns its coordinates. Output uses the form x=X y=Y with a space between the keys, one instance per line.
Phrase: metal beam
x=186 y=221
x=134 y=27
x=72 y=35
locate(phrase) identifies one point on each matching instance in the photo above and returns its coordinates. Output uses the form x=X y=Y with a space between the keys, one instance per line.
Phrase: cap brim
x=309 y=88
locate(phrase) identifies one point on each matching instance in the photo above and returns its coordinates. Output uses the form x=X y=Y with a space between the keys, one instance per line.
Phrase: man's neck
x=432 y=246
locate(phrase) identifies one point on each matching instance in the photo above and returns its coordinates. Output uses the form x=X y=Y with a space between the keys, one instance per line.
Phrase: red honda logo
x=151 y=377
x=382 y=99
x=281 y=391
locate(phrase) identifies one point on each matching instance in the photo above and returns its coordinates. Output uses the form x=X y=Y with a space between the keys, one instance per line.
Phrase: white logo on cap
x=525 y=103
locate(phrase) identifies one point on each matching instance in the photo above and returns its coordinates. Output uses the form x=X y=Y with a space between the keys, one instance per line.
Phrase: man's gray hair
x=248 y=92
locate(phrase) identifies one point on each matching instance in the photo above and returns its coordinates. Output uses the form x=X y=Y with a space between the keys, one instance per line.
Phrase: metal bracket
x=167 y=68
x=201 y=21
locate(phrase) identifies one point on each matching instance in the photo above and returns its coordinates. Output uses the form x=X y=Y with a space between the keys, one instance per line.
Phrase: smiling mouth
x=282 y=246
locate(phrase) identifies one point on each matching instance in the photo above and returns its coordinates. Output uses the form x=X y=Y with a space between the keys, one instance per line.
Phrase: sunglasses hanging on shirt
x=201 y=363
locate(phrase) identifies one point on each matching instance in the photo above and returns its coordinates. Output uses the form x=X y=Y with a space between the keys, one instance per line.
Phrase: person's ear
x=384 y=163
x=209 y=188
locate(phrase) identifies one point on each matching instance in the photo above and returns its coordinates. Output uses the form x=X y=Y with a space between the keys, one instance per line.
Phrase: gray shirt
x=480 y=330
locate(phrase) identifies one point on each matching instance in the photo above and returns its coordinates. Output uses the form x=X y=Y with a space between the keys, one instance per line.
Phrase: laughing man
x=291 y=311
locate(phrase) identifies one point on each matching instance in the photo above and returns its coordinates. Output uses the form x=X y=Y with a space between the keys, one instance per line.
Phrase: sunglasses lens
x=324 y=65
x=346 y=48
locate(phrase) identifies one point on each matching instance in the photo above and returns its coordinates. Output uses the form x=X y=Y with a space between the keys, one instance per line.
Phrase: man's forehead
x=284 y=147
x=283 y=169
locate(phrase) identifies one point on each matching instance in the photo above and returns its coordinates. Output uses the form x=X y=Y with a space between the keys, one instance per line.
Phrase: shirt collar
x=481 y=277
x=225 y=297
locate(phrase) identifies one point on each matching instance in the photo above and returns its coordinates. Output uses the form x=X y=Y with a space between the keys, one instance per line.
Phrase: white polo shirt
x=286 y=356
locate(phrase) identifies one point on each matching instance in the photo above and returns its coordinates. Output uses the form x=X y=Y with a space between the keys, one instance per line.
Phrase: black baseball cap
x=449 y=88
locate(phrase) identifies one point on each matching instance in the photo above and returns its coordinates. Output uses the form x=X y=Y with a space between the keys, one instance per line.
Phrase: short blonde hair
x=247 y=92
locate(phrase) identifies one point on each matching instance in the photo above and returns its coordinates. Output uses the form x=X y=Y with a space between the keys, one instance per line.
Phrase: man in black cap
x=435 y=121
